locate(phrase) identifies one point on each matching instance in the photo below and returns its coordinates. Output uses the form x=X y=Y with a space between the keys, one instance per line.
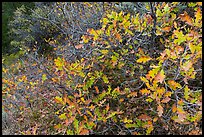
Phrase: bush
x=132 y=77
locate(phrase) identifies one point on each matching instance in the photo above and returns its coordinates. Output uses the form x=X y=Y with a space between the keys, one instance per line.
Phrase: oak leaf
x=160 y=110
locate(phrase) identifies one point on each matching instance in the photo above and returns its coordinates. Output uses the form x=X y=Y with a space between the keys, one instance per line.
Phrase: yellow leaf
x=62 y=116
x=143 y=59
x=199 y=3
x=192 y=47
x=125 y=120
x=145 y=91
x=198 y=16
x=174 y=108
x=88 y=112
x=160 y=91
x=174 y=84
x=44 y=77
x=104 y=52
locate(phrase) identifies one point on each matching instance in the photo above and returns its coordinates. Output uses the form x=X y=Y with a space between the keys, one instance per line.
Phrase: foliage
x=7 y=15
x=135 y=74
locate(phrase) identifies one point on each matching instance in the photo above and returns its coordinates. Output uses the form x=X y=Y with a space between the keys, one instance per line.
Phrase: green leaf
x=180 y=37
x=105 y=79
x=63 y=116
x=44 y=77
x=76 y=125
x=104 y=52
x=111 y=115
x=131 y=125
x=186 y=92
x=70 y=132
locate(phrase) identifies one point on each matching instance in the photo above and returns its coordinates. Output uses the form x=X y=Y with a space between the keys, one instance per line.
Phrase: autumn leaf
x=143 y=59
x=160 y=76
x=160 y=91
x=160 y=110
x=145 y=91
x=151 y=74
x=180 y=37
x=97 y=90
x=187 y=65
x=166 y=29
x=84 y=131
x=198 y=17
x=58 y=100
x=166 y=100
x=104 y=52
x=79 y=46
x=59 y=63
x=62 y=116
x=44 y=77
x=125 y=120
x=57 y=126
x=105 y=79
x=173 y=84
x=186 y=18
x=144 y=117
x=132 y=94
x=199 y=3
x=174 y=108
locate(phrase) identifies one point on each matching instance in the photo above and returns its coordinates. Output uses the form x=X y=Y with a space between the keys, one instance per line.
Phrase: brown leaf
x=84 y=132
x=160 y=76
x=97 y=90
x=144 y=117
x=186 y=18
x=160 y=110
x=166 y=100
x=79 y=46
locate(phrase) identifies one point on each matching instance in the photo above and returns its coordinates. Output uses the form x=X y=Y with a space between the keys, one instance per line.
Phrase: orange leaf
x=132 y=94
x=166 y=100
x=174 y=108
x=144 y=91
x=167 y=29
x=144 y=117
x=160 y=76
x=160 y=110
x=107 y=107
x=79 y=46
x=186 y=18
x=143 y=59
x=199 y=3
x=84 y=131
x=97 y=90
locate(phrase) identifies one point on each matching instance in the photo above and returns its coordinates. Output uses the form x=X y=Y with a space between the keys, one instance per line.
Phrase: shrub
x=134 y=76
